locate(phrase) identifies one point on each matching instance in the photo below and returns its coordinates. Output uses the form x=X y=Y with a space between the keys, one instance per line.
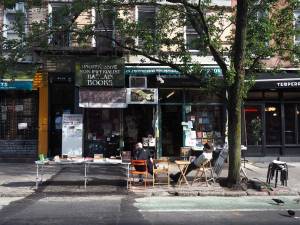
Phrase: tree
x=239 y=38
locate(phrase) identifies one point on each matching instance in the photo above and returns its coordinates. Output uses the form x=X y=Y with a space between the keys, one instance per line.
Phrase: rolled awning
x=103 y=98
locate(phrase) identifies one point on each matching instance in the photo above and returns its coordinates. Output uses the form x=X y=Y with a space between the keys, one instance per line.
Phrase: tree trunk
x=235 y=94
x=234 y=134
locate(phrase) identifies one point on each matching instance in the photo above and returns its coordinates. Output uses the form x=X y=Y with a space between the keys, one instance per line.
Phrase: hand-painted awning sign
x=165 y=72
x=104 y=98
x=100 y=74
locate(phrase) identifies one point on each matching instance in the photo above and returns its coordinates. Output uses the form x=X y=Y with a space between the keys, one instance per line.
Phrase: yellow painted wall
x=43 y=118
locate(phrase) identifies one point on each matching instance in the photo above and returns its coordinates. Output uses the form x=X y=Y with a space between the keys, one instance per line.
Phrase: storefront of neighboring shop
x=271 y=115
x=18 y=119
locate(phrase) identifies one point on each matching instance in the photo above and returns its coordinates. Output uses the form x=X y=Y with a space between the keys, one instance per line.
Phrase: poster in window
x=142 y=96
x=3 y=116
x=72 y=131
x=19 y=108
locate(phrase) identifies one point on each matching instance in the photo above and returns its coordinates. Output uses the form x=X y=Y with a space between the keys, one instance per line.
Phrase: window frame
x=148 y=9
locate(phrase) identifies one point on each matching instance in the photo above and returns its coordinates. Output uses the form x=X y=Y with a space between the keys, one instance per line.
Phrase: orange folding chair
x=138 y=167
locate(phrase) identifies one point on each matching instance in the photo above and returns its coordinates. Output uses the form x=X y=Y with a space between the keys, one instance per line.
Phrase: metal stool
x=275 y=168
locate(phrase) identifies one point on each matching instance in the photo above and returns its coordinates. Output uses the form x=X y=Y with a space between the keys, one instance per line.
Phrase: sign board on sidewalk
x=72 y=133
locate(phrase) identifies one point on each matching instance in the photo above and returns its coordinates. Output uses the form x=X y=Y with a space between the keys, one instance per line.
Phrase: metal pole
x=37 y=177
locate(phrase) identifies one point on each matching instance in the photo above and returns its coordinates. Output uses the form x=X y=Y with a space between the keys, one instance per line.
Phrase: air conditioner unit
x=137 y=82
x=20 y=6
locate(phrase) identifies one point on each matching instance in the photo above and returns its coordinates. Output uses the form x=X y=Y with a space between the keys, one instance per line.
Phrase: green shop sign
x=165 y=71
x=100 y=74
x=15 y=85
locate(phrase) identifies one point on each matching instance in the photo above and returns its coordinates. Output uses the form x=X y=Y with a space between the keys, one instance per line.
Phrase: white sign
x=22 y=126
x=142 y=95
x=72 y=133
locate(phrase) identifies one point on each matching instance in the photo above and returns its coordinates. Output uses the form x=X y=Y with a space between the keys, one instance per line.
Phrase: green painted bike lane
x=186 y=204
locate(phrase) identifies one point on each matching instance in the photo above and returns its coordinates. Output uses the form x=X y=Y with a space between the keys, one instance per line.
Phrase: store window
x=290 y=123
x=298 y=119
x=196 y=96
x=254 y=126
x=291 y=95
x=255 y=95
x=273 y=124
x=102 y=132
x=204 y=124
x=18 y=116
x=271 y=95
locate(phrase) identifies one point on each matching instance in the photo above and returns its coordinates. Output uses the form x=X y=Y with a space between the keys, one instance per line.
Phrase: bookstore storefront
x=18 y=120
x=272 y=119
x=136 y=108
x=189 y=117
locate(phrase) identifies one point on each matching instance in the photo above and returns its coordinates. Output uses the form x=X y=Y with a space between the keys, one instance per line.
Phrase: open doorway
x=171 y=117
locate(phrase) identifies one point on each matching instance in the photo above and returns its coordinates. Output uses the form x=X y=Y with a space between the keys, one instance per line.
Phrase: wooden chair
x=205 y=171
x=162 y=168
x=133 y=171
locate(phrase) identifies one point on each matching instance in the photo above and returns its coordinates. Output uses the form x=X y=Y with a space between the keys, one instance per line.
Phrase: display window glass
x=18 y=115
x=290 y=123
x=204 y=124
x=254 y=125
x=273 y=124
x=196 y=96
x=102 y=132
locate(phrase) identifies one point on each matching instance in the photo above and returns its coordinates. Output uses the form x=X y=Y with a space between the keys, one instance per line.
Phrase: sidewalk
x=256 y=173
x=18 y=180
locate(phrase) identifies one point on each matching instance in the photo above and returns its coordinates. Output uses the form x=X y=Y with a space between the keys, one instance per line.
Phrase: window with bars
x=18 y=116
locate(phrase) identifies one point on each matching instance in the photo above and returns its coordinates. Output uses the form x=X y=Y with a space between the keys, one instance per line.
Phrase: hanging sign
x=142 y=95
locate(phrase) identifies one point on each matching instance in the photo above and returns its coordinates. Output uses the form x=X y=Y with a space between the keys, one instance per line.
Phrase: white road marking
x=212 y=210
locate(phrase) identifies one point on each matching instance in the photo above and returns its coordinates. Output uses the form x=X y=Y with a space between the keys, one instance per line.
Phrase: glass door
x=253 y=126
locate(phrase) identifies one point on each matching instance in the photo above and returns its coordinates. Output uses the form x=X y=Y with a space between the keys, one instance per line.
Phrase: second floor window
x=297 y=26
x=14 y=22
x=146 y=19
x=194 y=42
x=105 y=29
x=60 y=16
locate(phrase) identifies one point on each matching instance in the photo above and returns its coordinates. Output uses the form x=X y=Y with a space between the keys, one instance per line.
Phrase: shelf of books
x=203 y=125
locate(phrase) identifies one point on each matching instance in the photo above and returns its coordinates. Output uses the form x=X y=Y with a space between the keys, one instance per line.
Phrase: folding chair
x=205 y=171
x=162 y=168
x=139 y=168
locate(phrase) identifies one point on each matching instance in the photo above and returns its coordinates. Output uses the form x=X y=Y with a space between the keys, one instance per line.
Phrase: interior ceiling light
x=172 y=93
x=270 y=109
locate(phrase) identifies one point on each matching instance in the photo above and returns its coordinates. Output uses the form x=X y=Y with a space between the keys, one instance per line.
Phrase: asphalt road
x=41 y=209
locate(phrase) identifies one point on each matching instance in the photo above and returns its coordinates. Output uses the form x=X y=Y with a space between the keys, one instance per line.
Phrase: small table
x=182 y=166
